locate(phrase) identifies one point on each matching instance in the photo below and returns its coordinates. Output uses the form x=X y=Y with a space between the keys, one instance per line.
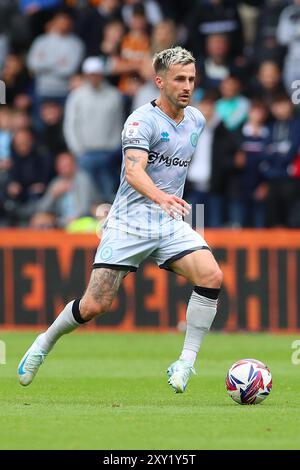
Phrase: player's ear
x=159 y=82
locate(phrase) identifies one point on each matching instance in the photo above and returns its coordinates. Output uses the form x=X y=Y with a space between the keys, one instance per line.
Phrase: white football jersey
x=170 y=148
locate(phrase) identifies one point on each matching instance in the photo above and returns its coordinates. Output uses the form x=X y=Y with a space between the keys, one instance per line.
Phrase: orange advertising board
x=41 y=271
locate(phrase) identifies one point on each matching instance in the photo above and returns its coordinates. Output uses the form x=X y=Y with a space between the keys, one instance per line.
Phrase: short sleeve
x=137 y=134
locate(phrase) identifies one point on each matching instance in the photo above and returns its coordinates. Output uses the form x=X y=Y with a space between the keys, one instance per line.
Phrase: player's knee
x=213 y=278
x=90 y=308
x=217 y=278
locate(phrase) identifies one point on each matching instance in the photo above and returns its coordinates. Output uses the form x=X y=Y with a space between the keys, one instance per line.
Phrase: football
x=248 y=382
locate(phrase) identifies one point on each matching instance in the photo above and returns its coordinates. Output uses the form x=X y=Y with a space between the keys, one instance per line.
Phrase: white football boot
x=179 y=374
x=30 y=363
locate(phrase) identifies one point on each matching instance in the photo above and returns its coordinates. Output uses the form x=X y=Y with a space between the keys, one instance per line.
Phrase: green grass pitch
x=109 y=391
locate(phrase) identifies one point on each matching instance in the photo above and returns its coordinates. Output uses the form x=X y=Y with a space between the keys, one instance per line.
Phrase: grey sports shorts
x=125 y=251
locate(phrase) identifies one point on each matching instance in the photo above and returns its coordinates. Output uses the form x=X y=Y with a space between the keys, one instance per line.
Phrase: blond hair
x=175 y=55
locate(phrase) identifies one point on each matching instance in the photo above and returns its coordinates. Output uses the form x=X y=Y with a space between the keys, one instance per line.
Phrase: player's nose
x=187 y=86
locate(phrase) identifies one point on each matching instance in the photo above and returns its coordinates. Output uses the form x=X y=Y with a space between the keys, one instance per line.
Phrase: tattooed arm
x=136 y=176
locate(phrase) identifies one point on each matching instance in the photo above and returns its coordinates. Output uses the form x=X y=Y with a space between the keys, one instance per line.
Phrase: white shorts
x=125 y=251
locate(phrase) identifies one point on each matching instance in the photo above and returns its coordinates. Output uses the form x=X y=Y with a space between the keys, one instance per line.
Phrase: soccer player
x=146 y=219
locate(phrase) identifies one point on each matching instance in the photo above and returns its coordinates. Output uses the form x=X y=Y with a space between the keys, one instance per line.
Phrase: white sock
x=201 y=312
x=64 y=323
x=188 y=355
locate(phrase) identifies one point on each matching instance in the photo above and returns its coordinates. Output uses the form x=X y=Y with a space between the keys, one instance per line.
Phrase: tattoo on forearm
x=133 y=159
x=105 y=283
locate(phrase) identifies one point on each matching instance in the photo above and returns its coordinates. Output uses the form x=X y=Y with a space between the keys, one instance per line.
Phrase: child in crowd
x=233 y=107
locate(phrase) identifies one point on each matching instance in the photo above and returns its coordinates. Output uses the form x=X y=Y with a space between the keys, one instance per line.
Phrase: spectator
x=76 y=81
x=23 y=103
x=38 y=13
x=211 y=165
x=93 y=125
x=14 y=26
x=283 y=147
x=134 y=47
x=50 y=137
x=69 y=196
x=28 y=176
x=177 y=10
x=113 y=34
x=5 y=153
x=210 y=17
x=163 y=36
x=125 y=60
x=15 y=77
x=288 y=34
x=20 y=120
x=153 y=11
x=266 y=46
x=91 y=21
x=148 y=91
x=267 y=83
x=54 y=57
x=126 y=34
x=254 y=137
x=233 y=106
x=217 y=63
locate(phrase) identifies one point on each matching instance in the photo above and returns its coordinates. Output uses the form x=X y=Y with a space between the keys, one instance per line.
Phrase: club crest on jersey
x=132 y=129
x=106 y=253
x=165 y=137
x=194 y=139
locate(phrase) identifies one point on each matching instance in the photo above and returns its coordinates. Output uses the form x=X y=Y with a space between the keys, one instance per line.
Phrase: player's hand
x=174 y=205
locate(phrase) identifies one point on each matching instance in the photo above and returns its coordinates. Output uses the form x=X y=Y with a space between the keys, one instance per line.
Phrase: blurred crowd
x=75 y=69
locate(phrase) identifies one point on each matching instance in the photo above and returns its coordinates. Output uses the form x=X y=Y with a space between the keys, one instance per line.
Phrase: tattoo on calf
x=105 y=284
